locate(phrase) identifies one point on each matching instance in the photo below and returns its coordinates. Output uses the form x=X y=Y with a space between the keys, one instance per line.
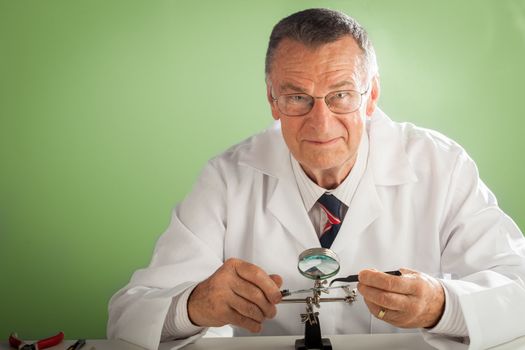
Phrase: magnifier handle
x=355 y=278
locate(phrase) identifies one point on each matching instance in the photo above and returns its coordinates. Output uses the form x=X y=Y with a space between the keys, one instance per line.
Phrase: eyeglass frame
x=276 y=99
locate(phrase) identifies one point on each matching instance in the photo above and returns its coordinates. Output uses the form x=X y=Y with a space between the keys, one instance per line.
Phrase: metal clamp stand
x=312 y=328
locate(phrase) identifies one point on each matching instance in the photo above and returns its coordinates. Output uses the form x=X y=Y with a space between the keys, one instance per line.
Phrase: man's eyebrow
x=290 y=86
x=295 y=88
x=343 y=83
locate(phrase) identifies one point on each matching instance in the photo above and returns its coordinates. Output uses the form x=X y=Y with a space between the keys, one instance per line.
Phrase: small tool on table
x=78 y=344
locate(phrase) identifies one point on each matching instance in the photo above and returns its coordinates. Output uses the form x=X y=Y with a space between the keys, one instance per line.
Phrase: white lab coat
x=420 y=204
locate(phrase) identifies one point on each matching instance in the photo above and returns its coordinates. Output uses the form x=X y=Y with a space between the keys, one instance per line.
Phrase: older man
x=336 y=173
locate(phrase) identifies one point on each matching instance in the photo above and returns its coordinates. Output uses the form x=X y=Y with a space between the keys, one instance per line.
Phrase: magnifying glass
x=318 y=263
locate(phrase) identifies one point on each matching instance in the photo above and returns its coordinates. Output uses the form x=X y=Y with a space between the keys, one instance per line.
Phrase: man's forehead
x=345 y=48
x=339 y=62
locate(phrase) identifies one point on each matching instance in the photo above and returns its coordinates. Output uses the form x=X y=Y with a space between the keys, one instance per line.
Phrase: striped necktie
x=332 y=207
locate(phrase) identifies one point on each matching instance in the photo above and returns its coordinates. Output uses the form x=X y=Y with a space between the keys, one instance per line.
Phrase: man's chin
x=321 y=165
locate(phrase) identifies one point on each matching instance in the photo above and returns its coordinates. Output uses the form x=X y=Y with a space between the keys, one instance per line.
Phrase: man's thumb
x=278 y=280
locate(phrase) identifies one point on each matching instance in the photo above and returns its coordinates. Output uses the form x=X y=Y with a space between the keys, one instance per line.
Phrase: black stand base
x=325 y=345
x=312 y=337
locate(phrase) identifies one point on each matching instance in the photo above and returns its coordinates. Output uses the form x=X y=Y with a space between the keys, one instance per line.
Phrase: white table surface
x=404 y=341
x=409 y=341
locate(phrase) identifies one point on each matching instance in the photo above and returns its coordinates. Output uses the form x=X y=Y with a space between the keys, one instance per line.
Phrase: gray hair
x=319 y=26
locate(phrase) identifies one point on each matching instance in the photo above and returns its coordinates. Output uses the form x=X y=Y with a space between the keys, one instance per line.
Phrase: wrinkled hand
x=412 y=300
x=238 y=293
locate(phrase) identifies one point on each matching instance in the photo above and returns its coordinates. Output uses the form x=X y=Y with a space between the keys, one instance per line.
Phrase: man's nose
x=320 y=114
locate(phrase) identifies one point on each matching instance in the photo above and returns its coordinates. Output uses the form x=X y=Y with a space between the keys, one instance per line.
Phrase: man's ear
x=273 y=105
x=374 y=96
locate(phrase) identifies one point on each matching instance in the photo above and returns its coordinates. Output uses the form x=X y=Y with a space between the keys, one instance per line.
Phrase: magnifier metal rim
x=319 y=252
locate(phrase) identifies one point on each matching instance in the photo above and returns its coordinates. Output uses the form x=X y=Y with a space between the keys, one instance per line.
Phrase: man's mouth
x=327 y=142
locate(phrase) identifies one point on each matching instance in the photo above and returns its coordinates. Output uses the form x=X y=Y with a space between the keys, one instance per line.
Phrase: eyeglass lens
x=340 y=102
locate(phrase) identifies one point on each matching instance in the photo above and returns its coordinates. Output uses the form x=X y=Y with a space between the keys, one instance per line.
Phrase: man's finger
x=259 y=278
x=247 y=309
x=253 y=294
x=376 y=309
x=244 y=322
x=382 y=298
x=404 y=284
x=391 y=316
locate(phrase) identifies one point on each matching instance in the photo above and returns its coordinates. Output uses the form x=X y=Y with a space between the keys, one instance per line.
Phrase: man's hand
x=412 y=300
x=238 y=293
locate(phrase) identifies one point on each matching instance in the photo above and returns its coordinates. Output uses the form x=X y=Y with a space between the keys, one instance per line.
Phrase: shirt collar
x=310 y=191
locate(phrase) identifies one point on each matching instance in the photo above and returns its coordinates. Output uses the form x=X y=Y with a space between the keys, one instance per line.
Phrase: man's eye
x=296 y=98
x=342 y=95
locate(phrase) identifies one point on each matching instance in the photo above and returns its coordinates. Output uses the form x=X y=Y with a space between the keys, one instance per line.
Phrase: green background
x=109 y=109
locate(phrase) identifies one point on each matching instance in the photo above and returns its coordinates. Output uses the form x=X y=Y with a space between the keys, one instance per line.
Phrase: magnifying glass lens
x=318 y=263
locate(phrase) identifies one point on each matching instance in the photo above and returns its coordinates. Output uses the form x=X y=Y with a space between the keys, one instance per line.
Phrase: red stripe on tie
x=334 y=220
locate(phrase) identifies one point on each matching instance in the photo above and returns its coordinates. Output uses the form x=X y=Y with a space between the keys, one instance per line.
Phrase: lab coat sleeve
x=188 y=252
x=485 y=250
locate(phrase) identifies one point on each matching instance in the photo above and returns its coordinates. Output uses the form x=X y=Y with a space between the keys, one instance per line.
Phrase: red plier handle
x=15 y=342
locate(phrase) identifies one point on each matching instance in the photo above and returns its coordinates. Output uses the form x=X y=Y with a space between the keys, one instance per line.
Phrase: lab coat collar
x=267 y=152
x=388 y=159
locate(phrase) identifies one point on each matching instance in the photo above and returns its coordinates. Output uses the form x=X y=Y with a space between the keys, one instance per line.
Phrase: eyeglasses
x=339 y=102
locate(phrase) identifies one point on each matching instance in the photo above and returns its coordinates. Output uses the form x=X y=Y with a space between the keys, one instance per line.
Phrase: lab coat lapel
x=287 y=206
x=269 y=154
x=387 y=165
x=364 y=209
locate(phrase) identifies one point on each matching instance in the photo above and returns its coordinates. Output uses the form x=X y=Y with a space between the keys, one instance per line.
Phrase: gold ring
x=381 y=314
